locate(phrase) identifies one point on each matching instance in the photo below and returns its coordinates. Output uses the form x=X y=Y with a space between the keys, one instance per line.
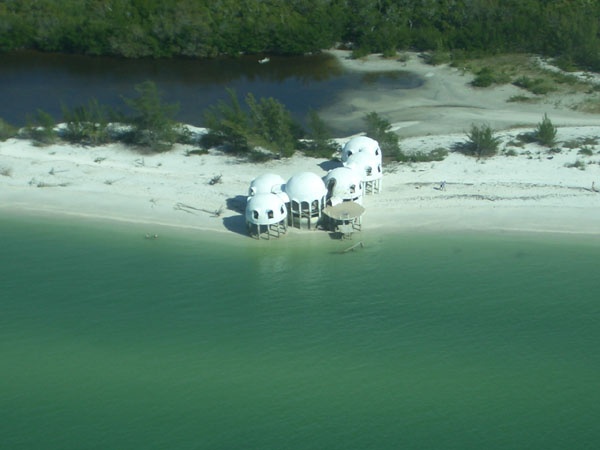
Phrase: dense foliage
x=204 y=28
x=265 y=123
x=152 y=124
x=86 y=125
x=379 y=129
x=319 y=143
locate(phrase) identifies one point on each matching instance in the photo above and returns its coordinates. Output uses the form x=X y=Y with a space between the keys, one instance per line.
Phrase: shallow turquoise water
x=108 y=340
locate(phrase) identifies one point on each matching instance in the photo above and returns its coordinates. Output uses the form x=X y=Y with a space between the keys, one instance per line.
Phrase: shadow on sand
x=236 y=224
x=330 y=165
x=237 y=203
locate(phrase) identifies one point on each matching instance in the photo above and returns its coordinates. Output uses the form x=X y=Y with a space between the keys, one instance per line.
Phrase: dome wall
x=265 y=209
x=361 y=144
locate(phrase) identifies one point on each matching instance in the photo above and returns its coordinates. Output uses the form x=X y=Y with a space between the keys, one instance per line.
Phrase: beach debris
x=153 y=202
x=353 y=247
x=54 y=172
x=218 y=212
x=140 y=162
x=41 y=184
x=6 y=171
x=99 y=159
x=111 y=182
x=216 y=179
x=191 y=209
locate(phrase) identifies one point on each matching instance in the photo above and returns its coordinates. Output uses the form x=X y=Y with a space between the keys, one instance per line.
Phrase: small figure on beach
x=443 y=186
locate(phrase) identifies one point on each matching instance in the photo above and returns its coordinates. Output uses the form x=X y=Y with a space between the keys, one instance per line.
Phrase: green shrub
x=481 y=143
x=40 y=128
x=565 y=63
x=389 y=52
x=6 y=131
x=484 y=78
x=511 y=152
x=360 y=52
x=267 y=124
x=228 y=126
x=438 y=57
x=545 y=133
x=579 y=164
x=86 y=125
x=153 y=124
x=586 y=151
x=378 y=128
x=319 y=144
x=272 y=126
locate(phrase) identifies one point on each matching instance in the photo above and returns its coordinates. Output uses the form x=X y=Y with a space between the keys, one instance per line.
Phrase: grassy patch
x=581 y=142
x=579 y=164
x=522 y=99
x=585 y=151
x=437 y=57
x=439 y=154
x=590 y=105
x=197 y=152
x=538 y=86
x=487 y=76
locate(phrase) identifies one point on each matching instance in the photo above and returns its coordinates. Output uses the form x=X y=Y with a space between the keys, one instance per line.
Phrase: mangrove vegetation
x=567 y=29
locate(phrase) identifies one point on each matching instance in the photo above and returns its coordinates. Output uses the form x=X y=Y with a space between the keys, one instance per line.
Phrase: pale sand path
x=528 y=192
x=445 y=103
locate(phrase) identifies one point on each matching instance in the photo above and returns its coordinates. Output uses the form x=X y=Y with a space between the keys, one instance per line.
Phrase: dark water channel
x=30 y=80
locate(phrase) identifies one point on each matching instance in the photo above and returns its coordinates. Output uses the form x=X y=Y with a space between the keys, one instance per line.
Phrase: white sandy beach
x=532 y=191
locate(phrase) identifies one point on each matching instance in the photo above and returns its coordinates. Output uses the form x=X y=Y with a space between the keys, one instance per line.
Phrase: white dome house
x=307 y=194
x=369 y=168
x=361 y=144
x=266 y=213
x=267 y=183
x=343 y=185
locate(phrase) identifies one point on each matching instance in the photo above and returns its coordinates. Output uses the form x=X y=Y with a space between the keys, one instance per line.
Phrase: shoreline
x=532 y=190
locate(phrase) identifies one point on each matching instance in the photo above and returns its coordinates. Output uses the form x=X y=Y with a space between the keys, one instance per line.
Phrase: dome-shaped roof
x=265 y=184
x=368 y=166
x=361 y=144
x=265 y=209
x=305 y=187
x=347 y=182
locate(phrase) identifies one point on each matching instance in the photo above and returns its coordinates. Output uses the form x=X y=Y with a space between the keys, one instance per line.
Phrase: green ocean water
x=419 y=341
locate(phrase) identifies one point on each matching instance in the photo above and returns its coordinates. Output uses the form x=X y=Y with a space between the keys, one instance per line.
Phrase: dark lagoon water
x=454 y=341
x=36 y=80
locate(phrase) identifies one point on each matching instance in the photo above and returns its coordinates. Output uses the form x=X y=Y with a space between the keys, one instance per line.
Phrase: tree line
x=206 y=28
x=258 y=129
